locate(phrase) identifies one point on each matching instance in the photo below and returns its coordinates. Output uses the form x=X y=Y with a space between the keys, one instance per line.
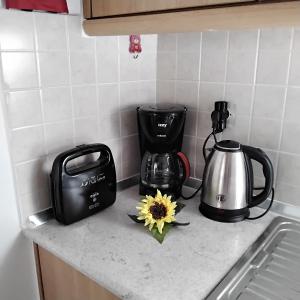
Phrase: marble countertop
x=123 y=257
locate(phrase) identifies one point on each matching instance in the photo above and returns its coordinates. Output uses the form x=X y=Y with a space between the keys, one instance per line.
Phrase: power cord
x=193 y=195
x=268 y=208
x=204 y=145
x=200 y=187
x=205 y=158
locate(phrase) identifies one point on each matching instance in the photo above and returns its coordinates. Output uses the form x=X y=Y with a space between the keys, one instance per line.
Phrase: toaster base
x=224 y=215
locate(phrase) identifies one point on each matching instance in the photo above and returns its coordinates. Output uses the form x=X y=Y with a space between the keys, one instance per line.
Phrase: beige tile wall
x=258 y=72
x=63 y=89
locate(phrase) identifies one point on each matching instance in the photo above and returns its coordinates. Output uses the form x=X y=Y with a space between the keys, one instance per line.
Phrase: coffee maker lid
x=163 y=108
x=228 y=145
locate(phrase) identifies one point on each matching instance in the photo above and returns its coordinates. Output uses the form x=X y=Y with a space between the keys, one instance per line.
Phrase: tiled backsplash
x=64 y=89
x=258 y=72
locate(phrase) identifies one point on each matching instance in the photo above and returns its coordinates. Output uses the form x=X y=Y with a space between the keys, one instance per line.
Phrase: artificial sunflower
x=158 y=210
x=159 y=214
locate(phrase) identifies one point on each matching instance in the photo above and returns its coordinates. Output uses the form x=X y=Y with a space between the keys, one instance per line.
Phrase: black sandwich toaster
x=84 y=188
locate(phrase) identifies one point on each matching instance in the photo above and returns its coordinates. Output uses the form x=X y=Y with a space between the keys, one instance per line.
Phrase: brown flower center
x=158 y=211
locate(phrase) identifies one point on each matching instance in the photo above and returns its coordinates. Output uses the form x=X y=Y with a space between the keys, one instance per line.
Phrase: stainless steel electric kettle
x=227 y=191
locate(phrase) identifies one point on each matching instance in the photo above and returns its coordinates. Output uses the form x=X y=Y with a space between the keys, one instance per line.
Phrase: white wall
x=17 y=271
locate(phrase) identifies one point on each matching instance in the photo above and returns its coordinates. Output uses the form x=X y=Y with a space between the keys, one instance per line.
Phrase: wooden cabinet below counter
x=60 y=281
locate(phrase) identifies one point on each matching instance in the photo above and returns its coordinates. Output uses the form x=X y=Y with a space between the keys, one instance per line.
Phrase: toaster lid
x=162 y=108
x=76 y=161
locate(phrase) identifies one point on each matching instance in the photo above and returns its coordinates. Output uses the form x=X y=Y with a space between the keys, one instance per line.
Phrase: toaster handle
x=84 y=150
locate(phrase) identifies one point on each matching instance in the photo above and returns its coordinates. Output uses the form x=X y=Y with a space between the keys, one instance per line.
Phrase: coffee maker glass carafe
x=163 y=165
x=161 y=170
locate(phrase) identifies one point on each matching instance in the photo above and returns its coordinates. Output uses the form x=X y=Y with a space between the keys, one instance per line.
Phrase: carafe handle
x=261 y=157
x=186 y=164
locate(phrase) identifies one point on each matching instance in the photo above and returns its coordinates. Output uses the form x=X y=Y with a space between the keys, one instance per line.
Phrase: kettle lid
x=228 y=146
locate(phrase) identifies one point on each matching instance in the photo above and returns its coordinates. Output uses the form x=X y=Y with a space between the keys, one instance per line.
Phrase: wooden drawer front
x=59 y=281
x=105 y=8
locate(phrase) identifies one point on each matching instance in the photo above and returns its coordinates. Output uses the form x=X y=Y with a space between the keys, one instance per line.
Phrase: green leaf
x=175 y=223
x=179 y=207
x=160 y=236
x=135 y=219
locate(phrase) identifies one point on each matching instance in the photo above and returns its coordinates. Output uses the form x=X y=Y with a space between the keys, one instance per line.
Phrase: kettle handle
x=261 y=157
x=186 y=163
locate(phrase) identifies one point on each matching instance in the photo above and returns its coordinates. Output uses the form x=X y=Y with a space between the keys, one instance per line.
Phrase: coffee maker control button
x=220 y=198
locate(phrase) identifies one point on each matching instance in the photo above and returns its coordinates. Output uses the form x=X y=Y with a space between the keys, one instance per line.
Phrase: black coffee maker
x=163 y=166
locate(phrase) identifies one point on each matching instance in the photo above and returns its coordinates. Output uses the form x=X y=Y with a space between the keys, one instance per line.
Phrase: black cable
x=215 y=138
x=256 y=188
x=204 y=155
x=193 y=195
x=269 y=207
x=204 y=145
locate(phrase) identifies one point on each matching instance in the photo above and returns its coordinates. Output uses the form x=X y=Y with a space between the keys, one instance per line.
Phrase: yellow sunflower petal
x=151 y=226
x=160 y=226
x=147 y=222
x=149 y=198
x=169 y=219
x=158 y=194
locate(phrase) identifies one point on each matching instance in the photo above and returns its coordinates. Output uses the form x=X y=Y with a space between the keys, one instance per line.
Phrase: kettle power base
x=224 y=215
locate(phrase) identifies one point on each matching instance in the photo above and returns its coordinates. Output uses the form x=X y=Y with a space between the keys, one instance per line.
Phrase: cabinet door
x=105 y=8
x=59 y=281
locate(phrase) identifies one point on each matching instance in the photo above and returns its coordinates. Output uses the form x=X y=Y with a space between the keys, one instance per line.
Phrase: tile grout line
x=198 y=103
x=38 y=68
x=41 y=51
x=284 y=103
x=176 y=68
x=157 y=101
x=135 y=81
x=226 y=63
x=156 y=69
x=253 y=85
x=70 y=79
x=45 y=156
x=97 y=86
x=15 y=164
x=120 y=139
x=226 y=69
x=132 y=135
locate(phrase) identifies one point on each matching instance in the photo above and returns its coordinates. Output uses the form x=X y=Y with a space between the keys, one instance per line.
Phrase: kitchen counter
x=123 y=257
